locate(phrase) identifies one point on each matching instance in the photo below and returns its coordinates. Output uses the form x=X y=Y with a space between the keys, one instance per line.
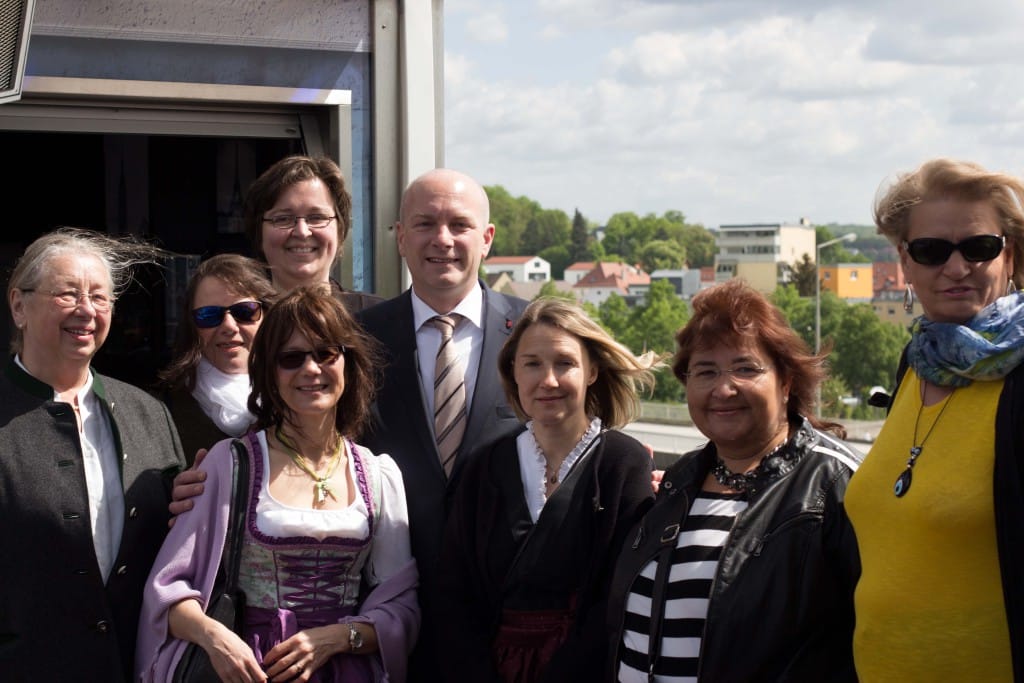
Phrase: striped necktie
x=449 y=393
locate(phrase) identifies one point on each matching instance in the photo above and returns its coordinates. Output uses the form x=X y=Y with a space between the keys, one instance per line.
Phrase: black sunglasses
x=243 y=312
x=931 y=251
x=325 y=355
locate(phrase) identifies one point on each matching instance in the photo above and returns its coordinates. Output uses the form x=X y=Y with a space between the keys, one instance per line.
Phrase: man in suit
x=444 y=233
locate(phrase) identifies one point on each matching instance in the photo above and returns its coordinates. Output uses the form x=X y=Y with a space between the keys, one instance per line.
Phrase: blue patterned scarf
x=985 y=348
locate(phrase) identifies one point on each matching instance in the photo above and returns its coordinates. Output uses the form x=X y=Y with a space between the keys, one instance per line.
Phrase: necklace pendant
x=915 y=451
x=903 y=482
x=321 y=494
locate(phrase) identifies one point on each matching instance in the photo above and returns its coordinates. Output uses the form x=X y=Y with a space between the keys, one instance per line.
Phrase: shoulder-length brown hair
x=314 y=313
x=734 y=314
x=620 y=375
x=242 y=276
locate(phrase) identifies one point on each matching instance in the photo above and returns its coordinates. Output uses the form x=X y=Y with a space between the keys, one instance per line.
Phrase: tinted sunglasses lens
x=208 y=316
x=289 y=360
x=929 y=251
x=326 y=355
x=246 y=311
x=981 y=248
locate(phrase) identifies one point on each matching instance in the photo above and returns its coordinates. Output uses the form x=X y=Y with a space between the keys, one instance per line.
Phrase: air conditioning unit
x=15 y=27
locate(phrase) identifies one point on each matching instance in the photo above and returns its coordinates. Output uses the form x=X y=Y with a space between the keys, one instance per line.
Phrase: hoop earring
x=1010 y=287
x=908 y=299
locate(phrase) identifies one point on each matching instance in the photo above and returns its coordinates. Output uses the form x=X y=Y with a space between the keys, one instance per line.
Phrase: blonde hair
x=953 y=179
x=620 y=375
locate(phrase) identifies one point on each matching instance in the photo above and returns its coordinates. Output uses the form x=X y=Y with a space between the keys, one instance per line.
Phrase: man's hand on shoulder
x=187 y=485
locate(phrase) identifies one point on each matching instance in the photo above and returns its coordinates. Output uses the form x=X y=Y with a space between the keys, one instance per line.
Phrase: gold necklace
x=903 y=481
x=320 y=486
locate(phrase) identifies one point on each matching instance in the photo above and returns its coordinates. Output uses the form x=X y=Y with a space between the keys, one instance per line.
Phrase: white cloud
x=738 y=110
x=489 y=27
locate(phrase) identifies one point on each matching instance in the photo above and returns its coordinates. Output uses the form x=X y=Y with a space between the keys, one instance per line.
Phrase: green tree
x=653 y=327
x=558 y=257
x=579 y=250
x=699 y=244
x=546 y=228
x=661 y=254
x=509 y=216
x=548 y=289
x=867 y=349
x=804 y=272
x=613 y=313
x=838 y=252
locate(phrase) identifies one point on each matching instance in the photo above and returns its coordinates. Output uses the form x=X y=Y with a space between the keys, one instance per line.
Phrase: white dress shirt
x=468 y=340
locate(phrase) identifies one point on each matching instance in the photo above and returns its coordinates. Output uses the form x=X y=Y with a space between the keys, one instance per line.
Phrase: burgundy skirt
x=265 y=628
x=526 y=642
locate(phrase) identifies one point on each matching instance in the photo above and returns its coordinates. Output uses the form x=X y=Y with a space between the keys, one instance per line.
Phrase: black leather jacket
x=781 y=605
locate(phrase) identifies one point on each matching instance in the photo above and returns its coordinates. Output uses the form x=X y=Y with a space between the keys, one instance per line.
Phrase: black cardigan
x=575 y=557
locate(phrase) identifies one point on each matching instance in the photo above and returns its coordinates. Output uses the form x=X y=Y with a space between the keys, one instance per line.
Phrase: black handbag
x=227 y=603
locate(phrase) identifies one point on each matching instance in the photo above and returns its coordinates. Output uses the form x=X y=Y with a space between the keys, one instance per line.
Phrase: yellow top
x=929 y=603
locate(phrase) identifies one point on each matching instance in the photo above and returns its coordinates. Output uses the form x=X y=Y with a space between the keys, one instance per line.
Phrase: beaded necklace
x=744 y=482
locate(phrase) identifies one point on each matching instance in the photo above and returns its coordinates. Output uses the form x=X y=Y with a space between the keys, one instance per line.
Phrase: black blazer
x=401 y=429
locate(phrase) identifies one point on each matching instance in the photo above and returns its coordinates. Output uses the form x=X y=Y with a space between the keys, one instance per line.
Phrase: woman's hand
x=231 y=658
x=298 y=657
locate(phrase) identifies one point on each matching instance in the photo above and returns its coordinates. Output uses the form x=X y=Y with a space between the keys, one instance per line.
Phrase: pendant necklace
x=320 y=486
x=906 y=477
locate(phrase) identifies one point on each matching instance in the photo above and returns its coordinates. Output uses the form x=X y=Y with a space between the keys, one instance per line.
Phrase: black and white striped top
x=694 y=565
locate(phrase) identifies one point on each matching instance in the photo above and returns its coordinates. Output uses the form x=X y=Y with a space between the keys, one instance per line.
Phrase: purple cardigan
x=186 y=567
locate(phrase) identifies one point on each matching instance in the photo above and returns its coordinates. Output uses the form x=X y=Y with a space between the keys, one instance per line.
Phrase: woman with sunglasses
x=938 y=505
x=206 y=386
x=326 y=565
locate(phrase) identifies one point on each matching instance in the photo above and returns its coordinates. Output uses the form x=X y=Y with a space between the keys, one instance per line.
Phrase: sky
x=731 y=111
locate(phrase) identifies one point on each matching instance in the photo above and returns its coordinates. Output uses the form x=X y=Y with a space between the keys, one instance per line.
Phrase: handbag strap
x=231 y=559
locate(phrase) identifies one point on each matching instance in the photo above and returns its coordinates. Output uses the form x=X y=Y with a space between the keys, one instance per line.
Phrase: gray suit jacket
x=402 y=429
x=58 y=620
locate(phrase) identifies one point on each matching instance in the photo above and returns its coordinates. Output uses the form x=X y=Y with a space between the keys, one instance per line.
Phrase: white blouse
x=390 y=550
x=533 y=466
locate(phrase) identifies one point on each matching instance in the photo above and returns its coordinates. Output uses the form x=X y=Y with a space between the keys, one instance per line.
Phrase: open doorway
x=182 y=193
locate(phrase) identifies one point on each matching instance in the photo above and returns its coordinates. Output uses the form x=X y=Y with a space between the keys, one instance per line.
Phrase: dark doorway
x=182 y=193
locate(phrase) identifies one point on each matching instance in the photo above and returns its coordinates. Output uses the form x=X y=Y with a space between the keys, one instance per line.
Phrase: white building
x=519 y=268
x=761 y=253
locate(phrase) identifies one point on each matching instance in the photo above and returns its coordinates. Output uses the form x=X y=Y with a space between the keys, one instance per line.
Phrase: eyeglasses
x=932 y=251
x=709 y=376
x=71 y=298
x=324 y=355
x=316 y=221
x=206 y=317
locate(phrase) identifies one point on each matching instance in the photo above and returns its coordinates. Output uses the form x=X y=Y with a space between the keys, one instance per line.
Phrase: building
x=686 y=281
x=605 y=279
x=578 y=270
x=850 y=281
x=519 y=268
x=762 y=253
x=889 y=289
x=159 y=113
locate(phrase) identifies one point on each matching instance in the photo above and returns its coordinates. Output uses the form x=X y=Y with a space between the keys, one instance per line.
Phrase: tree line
x=864 y=349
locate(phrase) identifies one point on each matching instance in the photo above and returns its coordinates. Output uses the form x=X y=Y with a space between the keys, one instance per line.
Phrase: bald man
x=444 y=233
